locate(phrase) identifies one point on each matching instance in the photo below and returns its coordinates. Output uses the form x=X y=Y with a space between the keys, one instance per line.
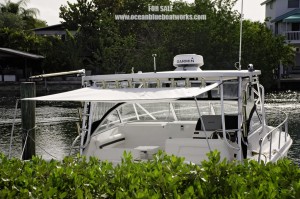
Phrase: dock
x=42 y=88
x=291 y=82
x=288 y=78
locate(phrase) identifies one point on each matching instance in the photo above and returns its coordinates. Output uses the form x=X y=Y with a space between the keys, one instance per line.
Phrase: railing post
x=280 y=129
x=286 y=129
x=260 y=148
x=271 y=140
x=292 y=35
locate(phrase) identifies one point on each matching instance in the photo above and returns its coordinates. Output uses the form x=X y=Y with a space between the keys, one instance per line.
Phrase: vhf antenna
x=241 y=33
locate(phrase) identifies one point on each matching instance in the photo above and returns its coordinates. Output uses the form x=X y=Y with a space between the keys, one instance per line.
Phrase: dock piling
x=27 y=89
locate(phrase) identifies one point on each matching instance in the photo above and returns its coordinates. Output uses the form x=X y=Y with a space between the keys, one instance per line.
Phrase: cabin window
x=293 y=3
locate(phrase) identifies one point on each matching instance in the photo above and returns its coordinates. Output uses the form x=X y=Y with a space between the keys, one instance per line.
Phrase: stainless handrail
x=270 y=134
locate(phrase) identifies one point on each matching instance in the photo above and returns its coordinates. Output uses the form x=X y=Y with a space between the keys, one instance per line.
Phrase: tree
x=117 y=46
x=18 y=8
x=264 y=50
x=11 y=10
x=22 y=40
x=14 y=18
x=12 y=21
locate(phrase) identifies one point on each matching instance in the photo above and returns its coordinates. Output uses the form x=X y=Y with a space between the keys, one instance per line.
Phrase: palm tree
x=18 y=8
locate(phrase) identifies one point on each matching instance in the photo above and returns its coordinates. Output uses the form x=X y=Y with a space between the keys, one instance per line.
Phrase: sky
x=49 y=10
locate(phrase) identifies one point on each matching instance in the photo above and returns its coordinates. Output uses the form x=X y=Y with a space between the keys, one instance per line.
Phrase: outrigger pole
x=78 y=72
x=241 y=33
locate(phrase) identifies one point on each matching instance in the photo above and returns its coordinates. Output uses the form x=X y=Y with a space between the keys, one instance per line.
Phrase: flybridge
x=187 y=73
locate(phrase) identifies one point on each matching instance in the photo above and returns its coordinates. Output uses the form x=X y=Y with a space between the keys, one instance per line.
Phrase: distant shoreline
x=13 y=88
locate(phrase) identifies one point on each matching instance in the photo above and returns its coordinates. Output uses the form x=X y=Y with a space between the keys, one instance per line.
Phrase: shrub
x=164 y=177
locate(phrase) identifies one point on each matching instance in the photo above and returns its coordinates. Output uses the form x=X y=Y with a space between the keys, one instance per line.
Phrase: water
x=55 y=129
x=56 y=125
x=289 y=101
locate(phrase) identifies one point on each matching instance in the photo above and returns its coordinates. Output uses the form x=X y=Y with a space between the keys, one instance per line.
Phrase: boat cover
x=94 y=94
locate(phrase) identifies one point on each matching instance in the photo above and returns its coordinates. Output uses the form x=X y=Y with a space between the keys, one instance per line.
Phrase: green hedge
x=164 y=177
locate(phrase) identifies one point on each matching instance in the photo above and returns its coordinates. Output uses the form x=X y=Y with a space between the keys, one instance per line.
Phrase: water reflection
x=55 y=130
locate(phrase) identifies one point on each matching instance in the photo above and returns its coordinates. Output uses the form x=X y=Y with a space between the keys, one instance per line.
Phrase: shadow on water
x=56 y=125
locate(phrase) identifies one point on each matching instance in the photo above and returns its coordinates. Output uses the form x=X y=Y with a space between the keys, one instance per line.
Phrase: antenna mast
x=154 y=62
x=241 y=33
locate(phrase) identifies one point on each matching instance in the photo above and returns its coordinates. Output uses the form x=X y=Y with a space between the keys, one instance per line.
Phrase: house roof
x=266 y=2
x=287 y=15
x=292 y=19
x=53 y=27
x=58 y=29
x=7 y=52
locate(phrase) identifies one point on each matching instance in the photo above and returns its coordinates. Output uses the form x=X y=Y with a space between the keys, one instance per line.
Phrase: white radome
x=188 y=62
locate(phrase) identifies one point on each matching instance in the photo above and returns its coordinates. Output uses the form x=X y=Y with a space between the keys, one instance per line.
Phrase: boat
x=187 y=112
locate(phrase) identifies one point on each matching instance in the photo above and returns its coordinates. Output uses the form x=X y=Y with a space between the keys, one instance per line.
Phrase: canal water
x=56 y=125
x=56 y=128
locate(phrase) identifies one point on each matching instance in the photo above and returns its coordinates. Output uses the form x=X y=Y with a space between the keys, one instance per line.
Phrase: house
x=17 y=65
x=58 y=30
x=283 y=18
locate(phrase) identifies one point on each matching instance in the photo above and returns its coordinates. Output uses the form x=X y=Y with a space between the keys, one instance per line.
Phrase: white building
x=283 y=18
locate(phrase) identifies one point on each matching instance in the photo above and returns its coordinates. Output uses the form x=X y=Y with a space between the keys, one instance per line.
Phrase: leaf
x=63 y=195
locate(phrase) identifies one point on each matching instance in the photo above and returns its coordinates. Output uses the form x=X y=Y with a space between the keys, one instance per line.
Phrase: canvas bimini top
x=94 y=94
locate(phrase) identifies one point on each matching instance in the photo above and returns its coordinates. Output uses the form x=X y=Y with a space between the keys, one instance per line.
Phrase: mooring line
x=28 y=135
x=25 y=143
x=12 y=129
x=42 y=148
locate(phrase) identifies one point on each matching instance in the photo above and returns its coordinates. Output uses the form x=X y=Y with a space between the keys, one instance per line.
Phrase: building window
x=293 y=3
x=295 y=26
x=271 y=5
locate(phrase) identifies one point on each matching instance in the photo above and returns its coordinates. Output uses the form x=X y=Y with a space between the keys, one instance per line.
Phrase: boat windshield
x=164 y=111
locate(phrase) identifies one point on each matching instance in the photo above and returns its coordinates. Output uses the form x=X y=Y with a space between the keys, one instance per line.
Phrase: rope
x=42 y=148
x=26 y=141
x=23 y=149
x=12 y=129
x=28 y=135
